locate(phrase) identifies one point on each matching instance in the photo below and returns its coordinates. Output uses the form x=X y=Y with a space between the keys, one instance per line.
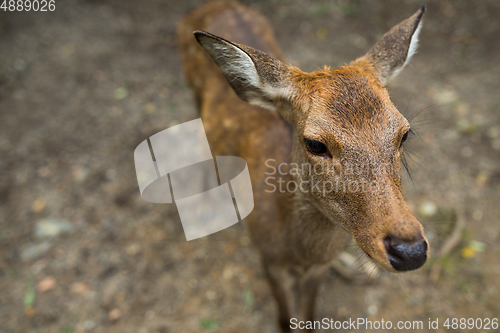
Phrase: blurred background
x=82 y=86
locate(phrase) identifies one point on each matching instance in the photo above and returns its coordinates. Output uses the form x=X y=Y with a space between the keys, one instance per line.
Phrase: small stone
x=227 y=272
x=210 y=294
x=477 y=246
x=494 y=132
x=29 y=311
x=428 y=208
x=372 y=310
x=149 y=108
x=79 y=288
x=20 y=65
x=52 y=227
x=467 y=126
x=149 y=315
x=38 y=205
x=443 y=95
x=110 y=290
x=89 y=325
x=114 y=314
x=33 y=251
x=133 y=249
x=321 y=33
x=79 y=173
x=482 y=178
x=121 y=93
x=119 y=297
x=46 y=284
x=248 y=297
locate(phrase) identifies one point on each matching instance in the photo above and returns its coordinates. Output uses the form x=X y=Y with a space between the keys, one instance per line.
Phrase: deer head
x=348 y=134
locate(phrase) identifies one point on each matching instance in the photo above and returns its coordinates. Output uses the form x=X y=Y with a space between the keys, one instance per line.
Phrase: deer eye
x=403 y=139
x=315 y=147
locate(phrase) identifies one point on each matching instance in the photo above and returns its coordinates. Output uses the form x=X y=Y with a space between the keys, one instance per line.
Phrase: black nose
x=405 y=256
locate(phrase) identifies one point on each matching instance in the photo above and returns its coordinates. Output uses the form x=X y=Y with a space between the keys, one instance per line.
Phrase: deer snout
x=406 y=255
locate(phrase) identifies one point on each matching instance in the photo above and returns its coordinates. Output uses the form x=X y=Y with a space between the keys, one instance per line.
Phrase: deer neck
x=317 y=239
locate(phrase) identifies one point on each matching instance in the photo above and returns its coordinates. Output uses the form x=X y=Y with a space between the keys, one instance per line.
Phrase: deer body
x=255 y=106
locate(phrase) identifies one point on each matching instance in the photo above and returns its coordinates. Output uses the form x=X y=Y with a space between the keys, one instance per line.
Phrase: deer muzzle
x=405 y=255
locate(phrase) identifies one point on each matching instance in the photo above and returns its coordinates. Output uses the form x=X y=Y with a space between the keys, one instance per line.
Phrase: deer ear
x=395 y=49
x=255 y=77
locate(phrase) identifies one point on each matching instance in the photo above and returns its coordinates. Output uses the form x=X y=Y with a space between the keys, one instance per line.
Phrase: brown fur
x=349 y=110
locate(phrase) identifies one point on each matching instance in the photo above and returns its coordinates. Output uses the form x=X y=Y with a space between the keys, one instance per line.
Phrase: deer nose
x=404 y=255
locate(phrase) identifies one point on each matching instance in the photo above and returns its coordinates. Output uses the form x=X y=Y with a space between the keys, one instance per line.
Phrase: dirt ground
x=82 y=86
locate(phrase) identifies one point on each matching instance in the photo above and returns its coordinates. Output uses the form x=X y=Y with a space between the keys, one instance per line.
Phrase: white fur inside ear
x=411 y=50
x=413 y=44
x=237 y=64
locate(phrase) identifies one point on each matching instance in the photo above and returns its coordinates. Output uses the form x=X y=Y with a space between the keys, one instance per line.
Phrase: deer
x=278 y=118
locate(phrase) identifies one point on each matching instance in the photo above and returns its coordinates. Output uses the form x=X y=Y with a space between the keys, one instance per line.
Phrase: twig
x=450 y=244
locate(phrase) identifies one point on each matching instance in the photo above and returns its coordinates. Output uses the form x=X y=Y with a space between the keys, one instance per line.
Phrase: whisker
x=436 y=119
x=416 y=156
x=405 y=165
x=441 y=222
x=367 y=260
x=360 y=256
x=401 y=282
x=413 y=131
x=408 y=154
x=416 y=108
x=417 y=113
x=380 y=275
x=373 y=269
x=427 y=123
x=407 y=105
